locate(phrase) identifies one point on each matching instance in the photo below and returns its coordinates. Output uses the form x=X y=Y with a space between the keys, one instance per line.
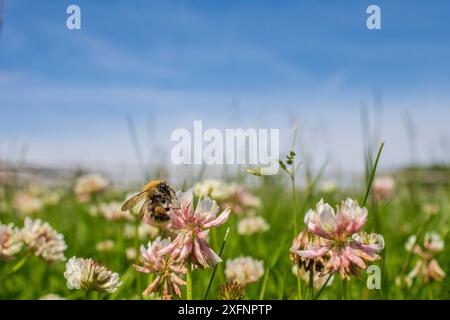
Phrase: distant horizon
x=66 y=95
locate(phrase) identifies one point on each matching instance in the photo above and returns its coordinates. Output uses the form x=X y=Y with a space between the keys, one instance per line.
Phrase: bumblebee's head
x=164 y=188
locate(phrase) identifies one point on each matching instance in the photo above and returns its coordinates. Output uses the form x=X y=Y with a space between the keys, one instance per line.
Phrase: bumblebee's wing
x=144 y=209
x=132 y=202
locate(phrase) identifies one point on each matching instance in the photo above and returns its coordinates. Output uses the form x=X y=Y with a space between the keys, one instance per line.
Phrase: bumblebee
x=157 y=196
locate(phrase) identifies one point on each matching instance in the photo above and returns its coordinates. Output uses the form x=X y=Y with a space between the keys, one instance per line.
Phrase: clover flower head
x=27 y=203
x=344 y=247
x=10 y=242
x=168 y=274
x=113 y=212
x=192 y=227
x=89 y=275
x=89 y=184
x=251 y=225
x=232 y=291
x=43 y=241
x=244 y=270
x=383 y=188
x=426 y=265
x=306 y=241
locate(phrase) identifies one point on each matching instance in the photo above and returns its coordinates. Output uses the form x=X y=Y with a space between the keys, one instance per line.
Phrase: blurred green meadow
x=415 y=207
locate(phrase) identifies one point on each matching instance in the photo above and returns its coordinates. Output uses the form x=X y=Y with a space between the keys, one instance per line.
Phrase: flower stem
x=189 y=280
x=323 y=287
x=344 y=289
x=372 y=174
x=311 y=284
x=215 y=267
x=20 y=264
x=136 y=247
x=299 y=283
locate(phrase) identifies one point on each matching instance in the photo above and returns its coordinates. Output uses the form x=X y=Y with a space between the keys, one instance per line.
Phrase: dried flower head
x=168 y=275
x=43 y=241
x=193 y=227
x=232 y=291
x=251 y=225
x=89 y=275
x=10 y=242
x=304 y=241
x=318 y=281
x=244 y=270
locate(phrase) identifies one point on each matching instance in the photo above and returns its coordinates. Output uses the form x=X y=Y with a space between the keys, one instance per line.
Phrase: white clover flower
x=251 y=225
x=87 y=185
x=145 y=231
x=383 y=188
x=214 y=189
x=131 y=254
x=43 y=241
x=10 y=243
x=328 y=186
x=27 y=203
x=87 y=274
x=409 y=245
x=52 y=198
x=433 y=242
x=105 y=246
x=113 y=212
x=244 y=270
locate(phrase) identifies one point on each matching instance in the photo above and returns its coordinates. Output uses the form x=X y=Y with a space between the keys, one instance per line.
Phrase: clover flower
x=251 y=225
x=345 y=246
x=10 y=242
x=426 y=265
x=52 y=198
x=26 y=203
x=113 y=212
x=383 y=188
x=190 y=244
x=131 y=253
x=145 y=231
x=304 y=241
x=214 y=189
x=232 y=291
x=239 y=200
x=89 y=275
x=105 y=246
x=43 y=241
x=88 y=185
x=168 y=275
x=244 y=270
x=233 y=195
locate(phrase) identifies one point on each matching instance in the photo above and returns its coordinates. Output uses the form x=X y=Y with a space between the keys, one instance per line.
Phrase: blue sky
x=65 y=94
